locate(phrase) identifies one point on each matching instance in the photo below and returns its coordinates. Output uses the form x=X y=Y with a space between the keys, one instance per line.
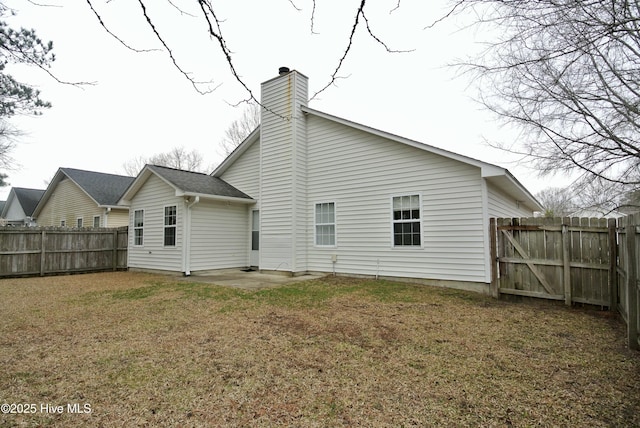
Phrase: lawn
x=145 y=350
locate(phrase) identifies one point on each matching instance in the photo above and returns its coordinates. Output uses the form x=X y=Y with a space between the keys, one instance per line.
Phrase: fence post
x=566 y=265
x=493 y=246
x=613 y=264
x=632 y=285
x=42 y=252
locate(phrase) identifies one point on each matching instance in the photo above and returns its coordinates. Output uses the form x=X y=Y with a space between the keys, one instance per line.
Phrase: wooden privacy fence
x=577 y=260
x=30 y=251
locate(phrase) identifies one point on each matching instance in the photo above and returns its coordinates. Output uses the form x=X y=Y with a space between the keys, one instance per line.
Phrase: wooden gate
x=555 y=258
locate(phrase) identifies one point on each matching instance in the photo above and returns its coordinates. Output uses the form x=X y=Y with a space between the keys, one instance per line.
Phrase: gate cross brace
x=526 y=258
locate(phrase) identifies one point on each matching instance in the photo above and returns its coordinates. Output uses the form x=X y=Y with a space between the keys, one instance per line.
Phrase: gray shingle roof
x=28 y=198
x=105 y=189
x=196 y=182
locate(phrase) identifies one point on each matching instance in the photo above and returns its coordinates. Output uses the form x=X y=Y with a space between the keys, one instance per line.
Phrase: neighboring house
x=77 y=198
x=311 y=192
x=19 y=206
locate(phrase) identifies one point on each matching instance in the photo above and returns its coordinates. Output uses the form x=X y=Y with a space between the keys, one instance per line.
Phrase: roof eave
x=248 y=201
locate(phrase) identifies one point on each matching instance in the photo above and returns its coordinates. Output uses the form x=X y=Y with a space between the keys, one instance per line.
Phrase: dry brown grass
x=144 y=350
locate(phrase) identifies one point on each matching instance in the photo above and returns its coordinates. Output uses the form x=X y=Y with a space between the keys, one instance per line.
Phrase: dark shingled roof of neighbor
x=105 y=189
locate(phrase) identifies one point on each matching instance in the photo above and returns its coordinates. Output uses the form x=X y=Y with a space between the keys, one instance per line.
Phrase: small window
x=255 y=230
x=170 y=222
x=79 y=222
x=96 y=221
x=406 y=221
x=63 y=223
x=326 y=224
x=138 y=227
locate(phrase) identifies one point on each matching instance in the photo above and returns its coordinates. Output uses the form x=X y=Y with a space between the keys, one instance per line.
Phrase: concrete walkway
x=252 y=280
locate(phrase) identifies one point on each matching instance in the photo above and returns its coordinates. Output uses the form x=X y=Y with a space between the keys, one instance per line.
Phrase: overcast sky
x=139 y=104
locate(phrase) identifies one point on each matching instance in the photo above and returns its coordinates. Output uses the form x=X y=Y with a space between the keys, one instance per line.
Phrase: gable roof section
x=104 y=189
x=28 y=198
x=187 y=183
x=494 y=174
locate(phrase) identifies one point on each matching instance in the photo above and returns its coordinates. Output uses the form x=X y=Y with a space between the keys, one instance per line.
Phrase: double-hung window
x=138 y=227
x=96 y=221
x=170 y=225
x=326 y=224
x=406 y=221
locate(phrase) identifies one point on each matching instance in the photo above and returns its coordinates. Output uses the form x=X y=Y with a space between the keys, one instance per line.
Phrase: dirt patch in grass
x=146 y=350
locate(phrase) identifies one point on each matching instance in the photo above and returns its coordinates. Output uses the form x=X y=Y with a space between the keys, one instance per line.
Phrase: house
x=78 y=198
x=19 y=206
x=311 y=192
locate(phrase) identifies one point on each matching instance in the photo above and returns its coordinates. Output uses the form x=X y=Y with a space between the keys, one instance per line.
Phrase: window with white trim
x=79 y=222
x=63 y=223
x=170 y=225
x=406 y=221
x=138 y=227
x=326 y=224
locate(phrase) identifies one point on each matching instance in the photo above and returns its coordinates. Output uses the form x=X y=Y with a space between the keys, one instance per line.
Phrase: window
x=96 y=221
x=406 y=221
x=170 y=222
x=138 y=227
x=255 y=230
x=63 y=223
x=326 y=224
x=79 y=222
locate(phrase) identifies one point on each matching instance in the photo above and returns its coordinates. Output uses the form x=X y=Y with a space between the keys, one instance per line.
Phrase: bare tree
x=557 y=201
x=178 y=158
x=567 y=73
x=204 y=13
x=240 y=128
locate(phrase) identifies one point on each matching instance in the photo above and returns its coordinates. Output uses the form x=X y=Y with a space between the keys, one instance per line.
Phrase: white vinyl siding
x=152 y=198
x=325 y=227
x=244 y=174
x=361 y=172
x=223 y=242
x=502 y=205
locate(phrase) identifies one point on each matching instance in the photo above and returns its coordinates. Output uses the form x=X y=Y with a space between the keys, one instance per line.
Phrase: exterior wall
x=115 y=218
x=501 y=205
x=244 y=174
x=282 y=192
x=154 y=195
x=360 y=173
x=15 y=213
x=219 y=235
x=68 y=202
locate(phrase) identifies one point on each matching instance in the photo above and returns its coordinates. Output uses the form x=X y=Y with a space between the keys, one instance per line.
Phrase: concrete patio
x=248 y=280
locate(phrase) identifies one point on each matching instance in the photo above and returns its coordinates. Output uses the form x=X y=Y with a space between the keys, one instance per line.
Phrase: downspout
x=106 y=216
x=186 y=245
